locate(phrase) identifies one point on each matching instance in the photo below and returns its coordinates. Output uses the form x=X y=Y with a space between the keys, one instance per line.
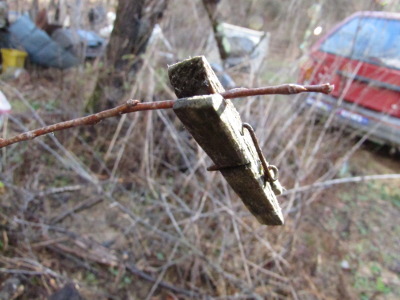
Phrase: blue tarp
x=80 y=42
x=41 y=49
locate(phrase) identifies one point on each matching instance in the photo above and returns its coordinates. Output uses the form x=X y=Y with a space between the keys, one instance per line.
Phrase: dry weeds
x=127 y=210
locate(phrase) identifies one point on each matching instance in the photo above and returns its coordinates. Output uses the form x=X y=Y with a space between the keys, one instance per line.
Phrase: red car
x=361 y=57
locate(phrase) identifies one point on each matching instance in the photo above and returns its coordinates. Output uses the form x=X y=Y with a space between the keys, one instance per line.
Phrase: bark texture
x=211 y=7
x=132 y=29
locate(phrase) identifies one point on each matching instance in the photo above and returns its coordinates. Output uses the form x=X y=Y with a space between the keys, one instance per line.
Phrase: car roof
x=377 y=14
x=374 y=14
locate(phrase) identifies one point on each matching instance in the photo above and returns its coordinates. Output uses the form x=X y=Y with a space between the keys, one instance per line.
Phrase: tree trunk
x=132 y=29
x=34 y=9
x=212 y=13
x=75 y=14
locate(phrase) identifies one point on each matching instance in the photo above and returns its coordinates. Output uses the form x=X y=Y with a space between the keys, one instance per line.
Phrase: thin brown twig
x=283 y=89
x=134 y=270
x=128 y=107
x=81 y=206
x=110 y=259
x=136 y=105
x=59 y=190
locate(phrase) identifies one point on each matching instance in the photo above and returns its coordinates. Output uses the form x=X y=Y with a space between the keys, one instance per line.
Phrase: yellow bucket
x=13 y=58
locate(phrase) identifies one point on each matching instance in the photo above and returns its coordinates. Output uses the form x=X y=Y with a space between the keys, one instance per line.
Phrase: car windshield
x=374 y=40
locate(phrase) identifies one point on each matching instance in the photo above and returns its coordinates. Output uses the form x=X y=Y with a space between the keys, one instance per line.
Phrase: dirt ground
x=349 y=239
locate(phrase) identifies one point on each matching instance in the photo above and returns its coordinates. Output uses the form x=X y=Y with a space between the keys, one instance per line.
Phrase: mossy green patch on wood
x=193 y=77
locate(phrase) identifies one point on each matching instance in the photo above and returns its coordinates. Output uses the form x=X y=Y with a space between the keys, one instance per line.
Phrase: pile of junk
x=44 y=44
x=56 y=46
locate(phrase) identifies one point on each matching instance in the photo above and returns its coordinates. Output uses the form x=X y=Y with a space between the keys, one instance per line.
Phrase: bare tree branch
x=136 y=105
x=283 y=89
x=329 y=183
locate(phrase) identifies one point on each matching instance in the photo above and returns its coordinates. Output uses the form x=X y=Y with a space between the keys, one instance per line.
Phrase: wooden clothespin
x=217 y=127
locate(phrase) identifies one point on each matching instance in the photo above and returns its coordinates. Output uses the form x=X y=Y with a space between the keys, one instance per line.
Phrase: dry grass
x=127 y=209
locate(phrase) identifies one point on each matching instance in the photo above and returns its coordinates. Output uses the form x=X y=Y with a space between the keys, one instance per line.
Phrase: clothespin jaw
x=217 y=127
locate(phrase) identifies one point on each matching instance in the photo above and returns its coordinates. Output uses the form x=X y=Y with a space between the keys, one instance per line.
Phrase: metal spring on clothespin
x=271 y=172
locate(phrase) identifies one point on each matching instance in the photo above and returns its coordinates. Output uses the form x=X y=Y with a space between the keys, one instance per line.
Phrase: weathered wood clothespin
x=217 y=127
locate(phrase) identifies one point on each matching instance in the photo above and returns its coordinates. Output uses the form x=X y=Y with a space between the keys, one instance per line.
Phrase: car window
x=374 y=40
